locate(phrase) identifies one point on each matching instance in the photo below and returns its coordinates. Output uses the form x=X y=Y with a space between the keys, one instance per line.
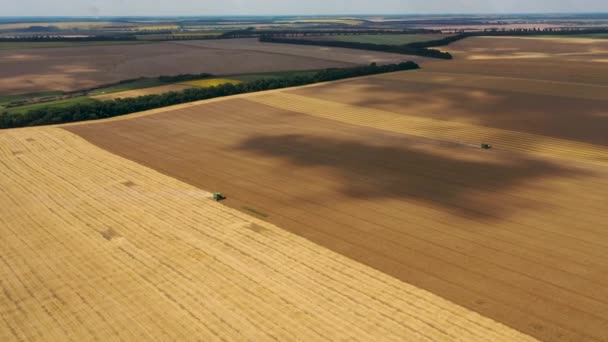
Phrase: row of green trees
x=106 y=109
x=505 y=33
x=401 y=49
x=423 y=48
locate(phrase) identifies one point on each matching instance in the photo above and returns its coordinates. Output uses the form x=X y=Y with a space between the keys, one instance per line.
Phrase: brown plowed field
x=98 y=248
x=515 y=237
x=72 y=68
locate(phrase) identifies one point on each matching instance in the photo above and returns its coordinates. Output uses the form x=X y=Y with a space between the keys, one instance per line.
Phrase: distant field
x=198 y=34
x=142 y=92
x=73 y=68
x=155 y=27
x=62 y=25
x=163 y=36
x=39 y=45
x=273 y=75
x=324 y=21
x=55 y=104
x=573 y=60
x=210 y=82
x=592 y=36
x=7 y=99
x=137 y=84
x=388 y=39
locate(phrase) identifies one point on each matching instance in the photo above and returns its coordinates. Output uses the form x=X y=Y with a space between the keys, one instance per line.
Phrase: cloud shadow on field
x=456 y=179
x=579 y=119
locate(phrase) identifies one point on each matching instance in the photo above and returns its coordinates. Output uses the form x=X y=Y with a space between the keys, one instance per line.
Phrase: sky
x=288 y=7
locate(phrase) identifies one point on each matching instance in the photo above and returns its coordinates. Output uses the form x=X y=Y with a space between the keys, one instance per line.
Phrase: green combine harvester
x=217 y=196
x=486 y=146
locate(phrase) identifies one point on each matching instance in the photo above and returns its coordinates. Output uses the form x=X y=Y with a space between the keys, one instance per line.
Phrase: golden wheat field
x=96 y=247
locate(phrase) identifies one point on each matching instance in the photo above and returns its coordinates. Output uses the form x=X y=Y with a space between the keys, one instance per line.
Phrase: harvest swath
x=97 y=247
x=388 y=170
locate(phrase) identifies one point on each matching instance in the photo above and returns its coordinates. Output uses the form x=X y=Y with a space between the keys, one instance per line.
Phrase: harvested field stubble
x=96 y=247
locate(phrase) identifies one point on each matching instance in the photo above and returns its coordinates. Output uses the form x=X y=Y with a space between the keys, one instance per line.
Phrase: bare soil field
x=514 y=235
x=72 y=68
x=142 y=92
x=98 y=248
x=576 y=60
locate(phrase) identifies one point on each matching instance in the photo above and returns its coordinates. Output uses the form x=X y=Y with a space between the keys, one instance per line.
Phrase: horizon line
x=296 y=15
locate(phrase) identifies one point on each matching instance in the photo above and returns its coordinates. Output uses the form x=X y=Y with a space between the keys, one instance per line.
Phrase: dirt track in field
x=515 y=237
x=98 y=248
x=72 y=68
x=142 y=92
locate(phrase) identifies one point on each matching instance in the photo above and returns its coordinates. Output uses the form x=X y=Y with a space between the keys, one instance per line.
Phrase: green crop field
x=55 y=104
x=4 y=100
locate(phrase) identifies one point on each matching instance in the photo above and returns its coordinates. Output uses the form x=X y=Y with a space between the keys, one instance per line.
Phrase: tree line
x=505 y=32
x=111 y=108
x=401 y=49
x=423 y=48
